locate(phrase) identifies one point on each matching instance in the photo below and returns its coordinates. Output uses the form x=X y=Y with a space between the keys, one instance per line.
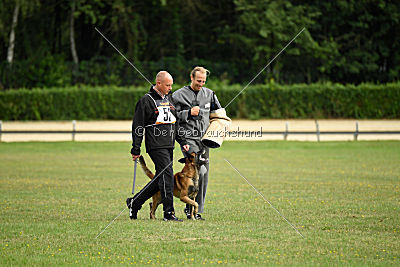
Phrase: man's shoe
x=188 y=212
x=198 y=217
x=132 y=210
x=170 y=216
x=133 y=213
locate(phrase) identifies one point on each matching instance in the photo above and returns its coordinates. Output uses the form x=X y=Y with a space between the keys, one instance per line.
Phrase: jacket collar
x=191 y=89
x=155 y=94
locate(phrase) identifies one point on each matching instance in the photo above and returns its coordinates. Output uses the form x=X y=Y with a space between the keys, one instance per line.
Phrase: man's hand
x=186 y=148
x=194 y=111
x=135 y=157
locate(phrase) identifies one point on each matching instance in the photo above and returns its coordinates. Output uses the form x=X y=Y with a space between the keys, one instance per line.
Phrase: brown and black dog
x=186 y=184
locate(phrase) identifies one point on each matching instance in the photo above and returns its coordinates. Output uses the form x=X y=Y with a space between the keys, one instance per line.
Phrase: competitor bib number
x=165 y=115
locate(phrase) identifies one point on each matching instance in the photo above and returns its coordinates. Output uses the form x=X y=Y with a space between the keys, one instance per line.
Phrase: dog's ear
x=182 y=160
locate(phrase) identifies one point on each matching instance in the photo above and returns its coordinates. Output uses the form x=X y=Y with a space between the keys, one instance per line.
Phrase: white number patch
x=165 y=115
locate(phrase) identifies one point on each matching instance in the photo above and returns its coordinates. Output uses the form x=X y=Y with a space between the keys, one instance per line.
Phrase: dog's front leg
x=193 y=203
x=195 y=210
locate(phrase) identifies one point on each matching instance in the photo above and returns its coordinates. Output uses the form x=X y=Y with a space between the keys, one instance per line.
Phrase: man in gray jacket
x=193 y=105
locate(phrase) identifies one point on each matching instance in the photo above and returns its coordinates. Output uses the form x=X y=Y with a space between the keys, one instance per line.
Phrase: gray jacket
x=184 y=99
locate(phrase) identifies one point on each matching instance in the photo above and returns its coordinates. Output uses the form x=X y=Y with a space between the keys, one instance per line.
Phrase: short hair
x=199 y=69
x=162 y=75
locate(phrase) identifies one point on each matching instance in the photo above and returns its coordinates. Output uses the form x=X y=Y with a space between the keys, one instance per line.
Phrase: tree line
x=47 y=43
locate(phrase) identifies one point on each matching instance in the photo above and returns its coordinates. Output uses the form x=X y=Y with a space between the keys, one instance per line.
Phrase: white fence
x=306 y=130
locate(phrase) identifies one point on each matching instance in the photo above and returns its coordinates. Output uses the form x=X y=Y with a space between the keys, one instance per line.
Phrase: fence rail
x=285 y=133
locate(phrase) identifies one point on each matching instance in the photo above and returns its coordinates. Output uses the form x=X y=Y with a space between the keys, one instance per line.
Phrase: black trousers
x=163 y=181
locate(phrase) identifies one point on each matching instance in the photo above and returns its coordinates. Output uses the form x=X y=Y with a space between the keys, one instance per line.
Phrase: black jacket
x=160 y=129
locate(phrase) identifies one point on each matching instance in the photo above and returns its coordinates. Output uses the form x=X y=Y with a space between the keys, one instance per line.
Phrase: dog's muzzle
x=200 y=159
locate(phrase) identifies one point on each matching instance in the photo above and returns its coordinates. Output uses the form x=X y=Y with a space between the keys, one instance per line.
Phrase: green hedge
x=364 y=101
x=316 y=101
x=69 y=103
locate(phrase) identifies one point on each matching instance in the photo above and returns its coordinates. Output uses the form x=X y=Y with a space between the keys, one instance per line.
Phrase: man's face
x=165 y=85
x=198 y=80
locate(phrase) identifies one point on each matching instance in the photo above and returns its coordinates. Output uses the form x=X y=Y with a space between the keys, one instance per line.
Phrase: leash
x=134 y=177
x=133 y=186
x=135 y=197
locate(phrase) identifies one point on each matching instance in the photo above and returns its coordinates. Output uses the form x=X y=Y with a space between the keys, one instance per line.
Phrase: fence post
x=356 y=132
x=73 y=130
x=285 y=134
x=1 y=124
x=317 y=126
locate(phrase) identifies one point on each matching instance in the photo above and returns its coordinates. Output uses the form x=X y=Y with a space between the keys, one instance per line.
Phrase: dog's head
x=190 y=158
x=195 y=158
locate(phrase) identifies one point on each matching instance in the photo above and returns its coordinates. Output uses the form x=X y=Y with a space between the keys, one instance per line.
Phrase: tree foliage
x=345 y=41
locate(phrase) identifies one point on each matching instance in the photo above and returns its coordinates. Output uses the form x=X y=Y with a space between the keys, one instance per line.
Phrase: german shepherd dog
x=186 y=183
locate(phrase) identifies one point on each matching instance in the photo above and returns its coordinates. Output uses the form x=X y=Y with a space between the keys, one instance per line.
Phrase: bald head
x=164 y=82
x=162 y=75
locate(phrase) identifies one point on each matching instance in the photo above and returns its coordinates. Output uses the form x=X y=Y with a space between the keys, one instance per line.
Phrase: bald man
x=155 y=118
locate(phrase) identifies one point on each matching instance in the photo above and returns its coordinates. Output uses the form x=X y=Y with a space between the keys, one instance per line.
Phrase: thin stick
x=110 y=223
x=135 y=197
x=297 y=231
x=123 y=56
x=134 y=177
x=265 y=67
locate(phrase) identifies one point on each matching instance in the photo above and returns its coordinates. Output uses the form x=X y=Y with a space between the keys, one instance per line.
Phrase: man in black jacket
x=155 y=118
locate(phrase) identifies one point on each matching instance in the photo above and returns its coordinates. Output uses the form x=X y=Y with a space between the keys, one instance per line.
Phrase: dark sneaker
x=198 y=217
x=170 y=216
x=132 y=211
x=187 y=212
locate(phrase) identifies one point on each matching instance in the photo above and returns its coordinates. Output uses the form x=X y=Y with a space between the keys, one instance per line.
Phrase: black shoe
x=132 y=210
x=170 y=216
x=198 y=217
x=188 y=212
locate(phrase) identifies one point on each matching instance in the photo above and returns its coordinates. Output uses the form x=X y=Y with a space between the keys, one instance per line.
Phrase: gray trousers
x=196 y=146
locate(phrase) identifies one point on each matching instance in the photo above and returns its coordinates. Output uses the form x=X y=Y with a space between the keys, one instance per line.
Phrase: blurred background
x=54 y=65
x=53 y=43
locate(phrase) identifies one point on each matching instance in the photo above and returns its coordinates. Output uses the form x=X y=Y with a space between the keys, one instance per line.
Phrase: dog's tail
x=144 y=168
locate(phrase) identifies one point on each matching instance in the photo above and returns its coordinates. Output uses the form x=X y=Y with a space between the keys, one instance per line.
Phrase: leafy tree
x=10 y=12
x=363 y=34
x=345 y=41
x=269 y=26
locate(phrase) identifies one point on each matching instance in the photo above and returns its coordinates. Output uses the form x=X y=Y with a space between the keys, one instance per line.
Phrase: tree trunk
x=72 y=40
x=10 y=52
x=72 y=35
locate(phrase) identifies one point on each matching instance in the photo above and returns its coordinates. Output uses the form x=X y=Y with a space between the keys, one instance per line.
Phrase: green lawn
x=344 y=197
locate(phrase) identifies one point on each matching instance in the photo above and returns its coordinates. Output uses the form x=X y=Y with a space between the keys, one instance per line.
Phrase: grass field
x=344 y=197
